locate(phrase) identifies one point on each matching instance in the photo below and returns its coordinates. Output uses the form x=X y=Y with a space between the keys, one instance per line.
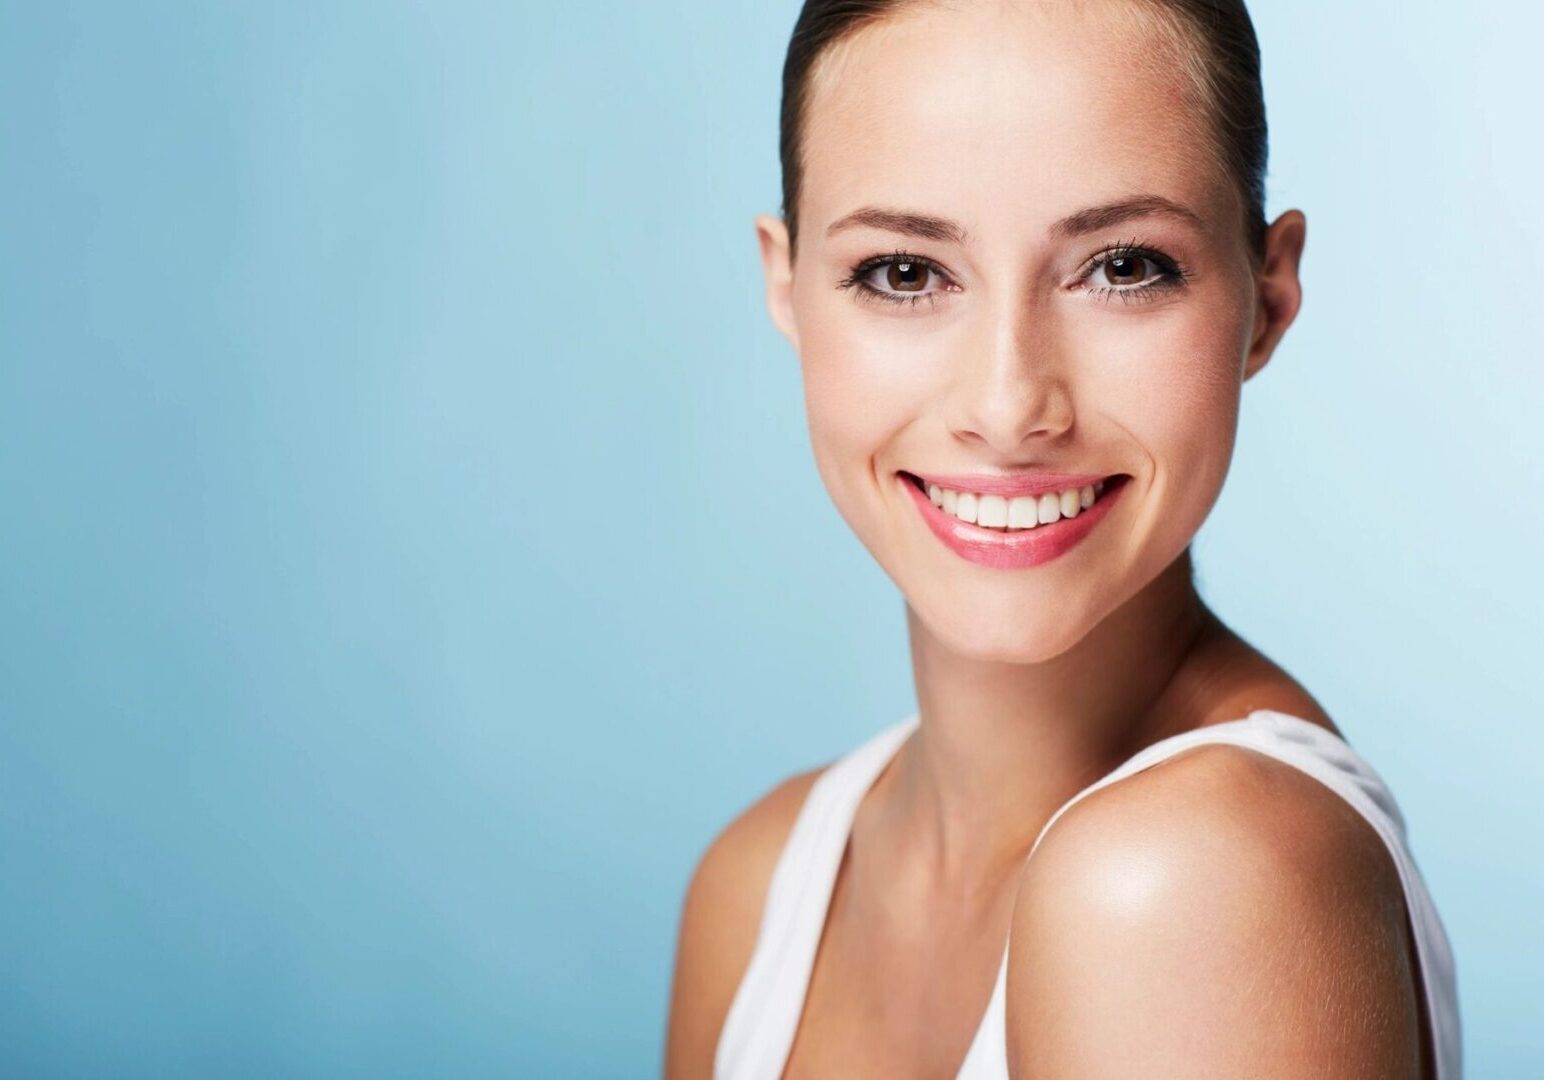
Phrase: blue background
x=411 y=554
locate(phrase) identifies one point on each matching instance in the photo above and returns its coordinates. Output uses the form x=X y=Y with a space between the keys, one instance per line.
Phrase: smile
x=1015 y=524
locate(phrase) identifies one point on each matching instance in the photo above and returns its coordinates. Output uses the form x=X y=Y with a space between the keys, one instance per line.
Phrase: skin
x=1220 y=914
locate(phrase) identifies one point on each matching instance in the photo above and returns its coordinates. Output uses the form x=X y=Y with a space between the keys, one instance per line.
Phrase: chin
x=1006 y=637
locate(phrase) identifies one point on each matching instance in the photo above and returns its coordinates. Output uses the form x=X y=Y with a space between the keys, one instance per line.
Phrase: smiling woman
x=1024 y=264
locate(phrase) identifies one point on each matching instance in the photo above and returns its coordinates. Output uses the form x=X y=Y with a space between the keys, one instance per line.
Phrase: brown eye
x=906 y=276
x=1125 y=269
x=906 y=280
x=1131 y=272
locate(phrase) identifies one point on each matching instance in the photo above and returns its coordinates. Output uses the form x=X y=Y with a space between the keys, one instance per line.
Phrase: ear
x=776 y=266
x=1278 y=292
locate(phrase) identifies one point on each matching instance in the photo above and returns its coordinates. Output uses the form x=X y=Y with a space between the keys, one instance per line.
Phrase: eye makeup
x=905 y=262
x=1170 y=275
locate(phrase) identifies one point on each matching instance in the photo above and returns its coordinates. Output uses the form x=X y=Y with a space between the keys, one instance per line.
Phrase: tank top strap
x=1331 y=760
x=758 y=1030
x=1310 y=747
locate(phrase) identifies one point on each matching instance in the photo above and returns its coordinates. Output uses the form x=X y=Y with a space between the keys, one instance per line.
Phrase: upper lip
x=1030 y=483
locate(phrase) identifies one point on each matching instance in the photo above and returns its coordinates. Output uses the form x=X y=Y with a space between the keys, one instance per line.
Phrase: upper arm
x=720 y=918
x=1222 y=914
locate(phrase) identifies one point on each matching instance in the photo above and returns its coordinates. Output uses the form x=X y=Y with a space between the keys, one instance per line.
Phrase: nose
x=1013 y=394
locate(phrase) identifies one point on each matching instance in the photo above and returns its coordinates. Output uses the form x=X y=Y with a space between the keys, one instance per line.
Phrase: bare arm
x=720 y=918
x=1220 y=915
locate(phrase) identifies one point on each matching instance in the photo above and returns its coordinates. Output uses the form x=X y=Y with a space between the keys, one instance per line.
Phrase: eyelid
x=869 y=265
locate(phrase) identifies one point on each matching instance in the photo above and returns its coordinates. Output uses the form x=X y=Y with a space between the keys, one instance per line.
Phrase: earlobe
x=1279 y=291
x=777 y=269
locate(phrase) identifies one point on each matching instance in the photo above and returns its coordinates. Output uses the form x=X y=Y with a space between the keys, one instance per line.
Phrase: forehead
x=1005 y=115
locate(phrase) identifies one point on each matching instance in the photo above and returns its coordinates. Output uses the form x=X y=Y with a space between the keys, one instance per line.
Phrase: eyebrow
x=1089 y=219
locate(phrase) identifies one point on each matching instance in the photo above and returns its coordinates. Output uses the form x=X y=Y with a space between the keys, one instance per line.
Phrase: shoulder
x=730 y=880
x=1220 y=913
x=720 y=918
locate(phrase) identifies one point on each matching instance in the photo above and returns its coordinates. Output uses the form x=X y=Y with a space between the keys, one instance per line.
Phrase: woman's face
x=1024 y=331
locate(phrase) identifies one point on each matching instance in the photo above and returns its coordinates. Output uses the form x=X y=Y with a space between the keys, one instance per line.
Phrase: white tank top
x=758 y=1031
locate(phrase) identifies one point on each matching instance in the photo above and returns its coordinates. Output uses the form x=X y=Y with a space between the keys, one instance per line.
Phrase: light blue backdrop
x=410 y=552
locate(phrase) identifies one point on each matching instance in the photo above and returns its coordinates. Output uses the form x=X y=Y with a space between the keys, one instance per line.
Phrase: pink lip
x=1023 y=547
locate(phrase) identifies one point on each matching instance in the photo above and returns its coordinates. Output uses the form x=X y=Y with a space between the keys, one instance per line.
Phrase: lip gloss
x=1018 y=548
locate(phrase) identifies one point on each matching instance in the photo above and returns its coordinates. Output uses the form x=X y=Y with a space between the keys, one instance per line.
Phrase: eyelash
x=1172 y=274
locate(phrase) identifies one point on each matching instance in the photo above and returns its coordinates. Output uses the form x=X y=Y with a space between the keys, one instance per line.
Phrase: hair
x=1222 y=63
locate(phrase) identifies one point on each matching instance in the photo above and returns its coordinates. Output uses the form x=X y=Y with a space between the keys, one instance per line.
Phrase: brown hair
x=1223 y=65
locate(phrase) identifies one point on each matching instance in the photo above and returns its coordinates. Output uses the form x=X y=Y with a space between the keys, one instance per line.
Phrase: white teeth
x=992 y=511
x=1050 y=508
x=1023 y=512
x=1019 y=512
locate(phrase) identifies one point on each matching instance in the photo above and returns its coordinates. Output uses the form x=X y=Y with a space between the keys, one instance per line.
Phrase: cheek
x=1174 y=387
x=863 y=382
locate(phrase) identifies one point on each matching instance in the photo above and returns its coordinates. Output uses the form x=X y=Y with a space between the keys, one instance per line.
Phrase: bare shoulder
x=1218 y=914
x=720 y=918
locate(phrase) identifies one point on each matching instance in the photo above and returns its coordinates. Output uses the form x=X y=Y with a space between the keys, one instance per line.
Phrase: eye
x=1125 y=269
x=898 y=278
x=1133 y=271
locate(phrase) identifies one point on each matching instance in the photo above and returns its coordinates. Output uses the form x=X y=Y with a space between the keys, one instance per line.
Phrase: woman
x=1024 y=263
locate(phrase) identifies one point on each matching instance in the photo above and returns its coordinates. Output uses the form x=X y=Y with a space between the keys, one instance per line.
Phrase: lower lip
x=1021 y=547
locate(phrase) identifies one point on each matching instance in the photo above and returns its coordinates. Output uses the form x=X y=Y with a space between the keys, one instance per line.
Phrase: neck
x=1001 y=745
